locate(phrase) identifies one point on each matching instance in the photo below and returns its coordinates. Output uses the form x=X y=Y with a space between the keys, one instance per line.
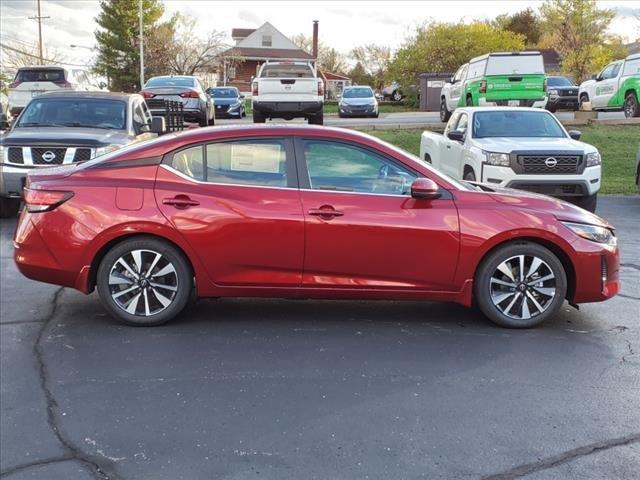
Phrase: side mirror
x=158 y=125
x=456 y=135
x=451 y=80
x=242 y=95
x=598 y=78
x=424 y=188
x=575 y=134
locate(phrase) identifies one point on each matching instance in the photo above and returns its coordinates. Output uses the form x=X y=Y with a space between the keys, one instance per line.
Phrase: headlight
x=499 y=159
x=107 y=149
x=593 y=159
x=553 y=92
x=593 y=233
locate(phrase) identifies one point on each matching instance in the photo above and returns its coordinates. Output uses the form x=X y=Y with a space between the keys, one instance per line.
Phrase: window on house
x=266 y=40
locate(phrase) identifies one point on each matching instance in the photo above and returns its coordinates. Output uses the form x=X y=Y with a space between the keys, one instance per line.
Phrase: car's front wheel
x=520 y=285
x=631 y=107
x=144 y=281
x=445 y=114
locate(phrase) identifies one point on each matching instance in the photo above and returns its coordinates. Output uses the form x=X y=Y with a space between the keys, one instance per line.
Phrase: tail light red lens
x=146 y=94
x=254 y=89
x=320 y=88
x=483 y=86
x=190 y=94
x=14 y=84
x=62 y=83
x=37 y=201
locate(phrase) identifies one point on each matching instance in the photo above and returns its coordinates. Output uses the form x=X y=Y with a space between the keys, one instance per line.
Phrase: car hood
x=508 y=145
x=543 y=204
x=226 y=101
x=565 y=89
x=586 y=83
x=64 y=137
x=358 y=101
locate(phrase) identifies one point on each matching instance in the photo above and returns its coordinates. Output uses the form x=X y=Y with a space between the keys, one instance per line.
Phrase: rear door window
x=285 y=70
x=515 y=64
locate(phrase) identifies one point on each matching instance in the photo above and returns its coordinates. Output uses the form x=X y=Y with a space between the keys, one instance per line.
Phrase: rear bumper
x=278 y=109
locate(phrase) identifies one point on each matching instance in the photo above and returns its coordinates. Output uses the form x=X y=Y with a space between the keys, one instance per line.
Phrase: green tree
x=359 y=75
x=443 y=47
x=525 y=22
x=375 y=60
x=577 y=29
x=118 y=46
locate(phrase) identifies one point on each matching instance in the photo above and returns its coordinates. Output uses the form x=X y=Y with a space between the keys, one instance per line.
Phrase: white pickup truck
x=516 y=147
x=287 y=90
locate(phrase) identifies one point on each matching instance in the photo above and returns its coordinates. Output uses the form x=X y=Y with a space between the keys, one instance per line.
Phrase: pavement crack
x=628 y=296
x=630 y=350
x=630 y=265
x=565 y=457
x=94 y=465
x=36 y=463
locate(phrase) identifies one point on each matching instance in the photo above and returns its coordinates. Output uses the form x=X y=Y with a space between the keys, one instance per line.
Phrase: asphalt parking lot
x=238 y=389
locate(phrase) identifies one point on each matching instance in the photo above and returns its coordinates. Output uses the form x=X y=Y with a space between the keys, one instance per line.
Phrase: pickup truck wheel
x=469 y=176
x=584 y=98
x=9 y=207
x=317 y=119
x=520 y=285
x=588 y=202
x=445 y=114
x=258 y=117
x=631 y=107
x=397 y=96
x=469 y=101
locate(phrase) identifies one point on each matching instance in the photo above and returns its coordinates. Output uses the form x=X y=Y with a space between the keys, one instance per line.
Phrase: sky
x=343 y=24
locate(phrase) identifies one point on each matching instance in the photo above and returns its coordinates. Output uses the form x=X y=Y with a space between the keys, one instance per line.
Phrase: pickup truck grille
x=550 y=164
x=42 y=156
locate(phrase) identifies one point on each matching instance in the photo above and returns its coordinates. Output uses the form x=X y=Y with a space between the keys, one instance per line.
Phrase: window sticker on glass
x=263 y=158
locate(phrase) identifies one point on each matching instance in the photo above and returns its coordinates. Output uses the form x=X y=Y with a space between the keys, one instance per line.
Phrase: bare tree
x=16 y=55
x=191 y=53
x=375 y=60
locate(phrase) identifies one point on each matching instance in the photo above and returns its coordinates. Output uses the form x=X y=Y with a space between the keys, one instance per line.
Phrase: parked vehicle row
x=523 y=148
x=304 y=212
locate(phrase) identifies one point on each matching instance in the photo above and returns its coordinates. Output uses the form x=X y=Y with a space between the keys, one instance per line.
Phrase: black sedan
x=562 y=94
x=229 y=102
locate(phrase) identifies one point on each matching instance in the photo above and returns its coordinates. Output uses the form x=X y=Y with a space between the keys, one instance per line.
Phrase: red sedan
x=303 y=212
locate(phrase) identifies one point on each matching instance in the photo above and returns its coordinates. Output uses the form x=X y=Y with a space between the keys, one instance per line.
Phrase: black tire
x=584 y=98
x=589 y=202
x=204 y=121
x=340 y=115
x=489 y=267
x=552 y=109
x=258 y=117
x=9 y=207
x=317 y=119
x=183 y=276
x=427 y=158
x=469 y=101
x=631 y=107
x=243 y=114
x=469 y=175
x=445 y=114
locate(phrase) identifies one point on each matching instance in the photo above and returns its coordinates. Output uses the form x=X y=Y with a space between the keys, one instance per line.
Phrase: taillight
x=254 y=89
x=190 y=94
x=320 y=88
x=37 y=201
x=146 y=94
x=14 y=84
x=483 y=86
x=62 y=83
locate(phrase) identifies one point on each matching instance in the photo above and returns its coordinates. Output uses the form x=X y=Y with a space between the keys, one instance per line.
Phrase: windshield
x=286 y=70
x=364 y=92
x=511 y=123
x=224 y=93
x=514 y=64
x=559 y=82
x=170 y=82
x=74 y=112
x=40 y=75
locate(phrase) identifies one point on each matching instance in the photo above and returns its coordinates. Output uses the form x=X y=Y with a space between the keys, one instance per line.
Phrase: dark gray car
x=198 y=106
x=67 y=127
x=358 y=101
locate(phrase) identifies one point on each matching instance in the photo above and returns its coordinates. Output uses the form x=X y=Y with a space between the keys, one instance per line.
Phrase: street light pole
x=141 y=49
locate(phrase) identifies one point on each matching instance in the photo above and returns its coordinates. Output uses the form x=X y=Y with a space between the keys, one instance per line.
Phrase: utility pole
x=141 y=49
x=39 y=18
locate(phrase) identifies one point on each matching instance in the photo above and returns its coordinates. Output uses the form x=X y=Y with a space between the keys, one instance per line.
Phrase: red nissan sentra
x=303 y=212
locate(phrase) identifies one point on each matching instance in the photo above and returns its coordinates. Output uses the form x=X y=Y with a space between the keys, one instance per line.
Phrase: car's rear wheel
x=317 y=119
x=9 y=207
x=469 y=101
x=520 y=285
x=445 y=114
x=631 y=107
x=144 y=281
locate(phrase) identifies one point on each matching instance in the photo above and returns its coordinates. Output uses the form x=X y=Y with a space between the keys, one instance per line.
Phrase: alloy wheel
x=629 y=107
x=143 y=282
x=522 y=287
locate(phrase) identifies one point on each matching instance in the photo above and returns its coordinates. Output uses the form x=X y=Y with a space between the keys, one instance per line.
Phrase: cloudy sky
x=343 y=24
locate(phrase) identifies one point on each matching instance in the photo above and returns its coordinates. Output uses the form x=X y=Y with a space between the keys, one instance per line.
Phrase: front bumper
x=563 y=186
x=558 y=102
x=278 y=109
x=12 y=180
x=597 y=272
x=224 y=111
x=368 y=111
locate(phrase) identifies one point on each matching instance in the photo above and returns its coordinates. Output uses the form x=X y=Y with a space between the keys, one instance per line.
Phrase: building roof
x=332 y=76
x=550 y=56
x=242 y=32
x=267 y=53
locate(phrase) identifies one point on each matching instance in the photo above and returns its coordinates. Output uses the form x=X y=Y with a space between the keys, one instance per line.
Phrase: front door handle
x=180 y=201
x=326 y=212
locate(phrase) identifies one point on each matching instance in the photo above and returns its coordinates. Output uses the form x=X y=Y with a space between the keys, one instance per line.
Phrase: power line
x=58 y=62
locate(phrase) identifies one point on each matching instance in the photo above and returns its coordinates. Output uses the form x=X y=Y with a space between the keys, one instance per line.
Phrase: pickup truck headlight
x=107 y=149
x=553 y=92
x=593 y=159
x=498 y=159
x=593 y=232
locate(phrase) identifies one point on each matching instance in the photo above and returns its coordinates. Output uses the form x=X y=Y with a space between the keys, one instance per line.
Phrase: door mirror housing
x=424 y=188
x=158 y=125
x=575 y=134
x=598 y=78
x=456 y=135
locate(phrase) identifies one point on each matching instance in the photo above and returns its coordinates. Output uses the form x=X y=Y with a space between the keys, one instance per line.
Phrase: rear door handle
x=326 y=212
x=180 y=201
